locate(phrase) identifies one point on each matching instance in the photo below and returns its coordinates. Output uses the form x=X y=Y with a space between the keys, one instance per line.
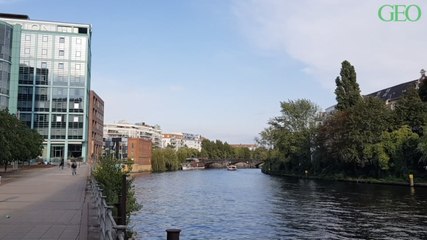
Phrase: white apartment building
x=123 y=129
x=179 y=140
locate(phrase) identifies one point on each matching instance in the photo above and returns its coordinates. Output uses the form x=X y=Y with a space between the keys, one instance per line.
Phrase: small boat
x=231 y=168
x=192 y=164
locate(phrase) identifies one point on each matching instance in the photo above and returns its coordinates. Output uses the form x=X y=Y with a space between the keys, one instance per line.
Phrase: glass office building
x=5 y=63
x=50 y=82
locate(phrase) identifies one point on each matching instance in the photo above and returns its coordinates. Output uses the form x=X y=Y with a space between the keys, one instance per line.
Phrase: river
x=247 y=204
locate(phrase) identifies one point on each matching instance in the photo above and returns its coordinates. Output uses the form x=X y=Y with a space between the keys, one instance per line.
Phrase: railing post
x=108 y=223
x=172 y=234
x=122 y=202
x=120 y=232
x=109 y=230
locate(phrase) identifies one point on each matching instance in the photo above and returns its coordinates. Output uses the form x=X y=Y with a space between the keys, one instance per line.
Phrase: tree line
x=17 y=141
x=363 y=137
x=170 y=159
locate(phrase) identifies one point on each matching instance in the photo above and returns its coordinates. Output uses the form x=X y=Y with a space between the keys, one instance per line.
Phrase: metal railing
x=109 y=230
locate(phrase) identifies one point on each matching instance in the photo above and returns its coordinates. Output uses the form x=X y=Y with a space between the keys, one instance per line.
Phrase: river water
x=247 y=204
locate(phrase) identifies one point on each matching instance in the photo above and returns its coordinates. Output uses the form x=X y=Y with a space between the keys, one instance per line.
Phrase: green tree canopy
x=344 y=135
x=109 y=173
x=17 y=141
x=410 y=110
x=347 y=91
x=422 y=90
x=292 y=133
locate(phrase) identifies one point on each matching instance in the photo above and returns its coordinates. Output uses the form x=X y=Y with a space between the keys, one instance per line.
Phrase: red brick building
x=96 y=127
x=139 y=150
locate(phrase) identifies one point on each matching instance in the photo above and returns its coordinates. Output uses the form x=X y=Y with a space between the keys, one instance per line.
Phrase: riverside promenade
x=46 y=203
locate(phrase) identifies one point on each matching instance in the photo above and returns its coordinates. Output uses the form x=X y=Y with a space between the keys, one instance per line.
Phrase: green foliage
x=422 y=91
x=184 y=153
x=347 y=91
x=400 y=145
x=292 y=134
x=422 y=149
x=260 y=154
x=242 y=153
x=216 y=150
x=168 y=159
x=410 y=110
x=109 y=173
x=17 y=141
x=364 y=138
x=158 y=161
x=347 y=137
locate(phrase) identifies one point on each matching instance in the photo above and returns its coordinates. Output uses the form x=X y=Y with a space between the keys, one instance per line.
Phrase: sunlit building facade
x=50 y=81
x=122 y=129
x=180 y=140
x=96 y=126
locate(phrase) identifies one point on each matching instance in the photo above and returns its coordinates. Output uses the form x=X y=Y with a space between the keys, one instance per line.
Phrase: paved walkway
x=44 y=203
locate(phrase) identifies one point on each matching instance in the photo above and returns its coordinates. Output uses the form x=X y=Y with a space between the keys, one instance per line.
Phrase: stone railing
x=109 y=230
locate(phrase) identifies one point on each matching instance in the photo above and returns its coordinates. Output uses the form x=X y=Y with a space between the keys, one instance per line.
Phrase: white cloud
x=321 y=34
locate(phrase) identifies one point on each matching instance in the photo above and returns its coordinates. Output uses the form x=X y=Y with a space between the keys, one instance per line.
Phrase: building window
x=75 y=119
x=77 y=66
x=44 y=39
x=27 y=37
x=44 y=52
x=60 y=65
x=78 y=54
x=61 y=40
x=79 y=41
x=44 y=64
x=58 y=118
x=27 y=51
x=76 y=105
x=61 y=53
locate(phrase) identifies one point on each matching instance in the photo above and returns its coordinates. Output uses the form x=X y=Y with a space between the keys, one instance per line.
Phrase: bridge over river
x=222 y=163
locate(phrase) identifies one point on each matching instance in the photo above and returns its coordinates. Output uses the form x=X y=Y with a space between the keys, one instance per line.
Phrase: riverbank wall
x=348 y=179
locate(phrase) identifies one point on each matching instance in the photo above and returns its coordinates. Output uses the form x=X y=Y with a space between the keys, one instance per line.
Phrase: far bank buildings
x=45 y=80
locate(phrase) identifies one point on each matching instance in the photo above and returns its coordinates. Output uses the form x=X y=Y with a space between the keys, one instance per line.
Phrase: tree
x=242 y=153
x=292 y=134
x=109 y=173
x=343 y=137
x=347 y=91
x=158 y=161
x=422 y=91
x=184 y=153
x=216 y=150
x=260 y=154
x=411 y=111
x=401 y=146
x=6 y=138
x=171 y=160
x=17 y=141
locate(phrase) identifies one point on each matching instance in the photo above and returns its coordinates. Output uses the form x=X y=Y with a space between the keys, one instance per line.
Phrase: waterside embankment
x=386 y=181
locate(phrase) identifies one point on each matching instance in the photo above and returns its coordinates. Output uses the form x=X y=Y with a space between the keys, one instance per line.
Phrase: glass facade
x=5 y=63
x=53 y=85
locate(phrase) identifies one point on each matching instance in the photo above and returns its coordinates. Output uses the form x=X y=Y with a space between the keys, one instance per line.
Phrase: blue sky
x=220 y=68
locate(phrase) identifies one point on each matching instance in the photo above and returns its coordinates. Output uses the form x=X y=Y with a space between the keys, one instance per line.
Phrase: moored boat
x=192 y=164
x=231 y=168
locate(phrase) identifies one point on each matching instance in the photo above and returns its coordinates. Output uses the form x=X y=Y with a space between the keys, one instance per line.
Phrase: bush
x=109 y=173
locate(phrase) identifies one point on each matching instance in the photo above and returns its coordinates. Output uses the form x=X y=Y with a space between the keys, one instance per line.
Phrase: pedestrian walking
x=61 y=165
x=73 y=168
